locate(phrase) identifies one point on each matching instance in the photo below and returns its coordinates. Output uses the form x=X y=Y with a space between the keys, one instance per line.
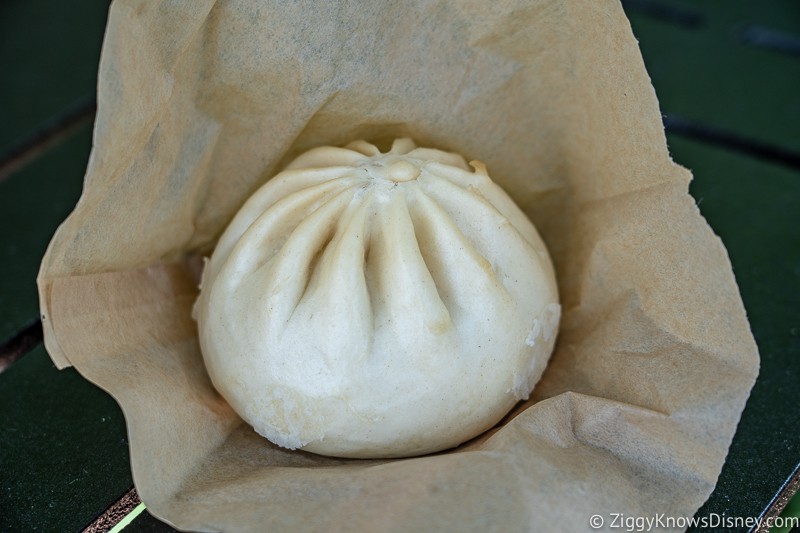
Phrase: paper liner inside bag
x=198 y=105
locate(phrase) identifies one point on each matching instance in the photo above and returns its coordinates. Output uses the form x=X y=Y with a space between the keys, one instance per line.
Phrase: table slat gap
x=50 y=133
x=20 y=344
x=730 y=141
x=778 y=503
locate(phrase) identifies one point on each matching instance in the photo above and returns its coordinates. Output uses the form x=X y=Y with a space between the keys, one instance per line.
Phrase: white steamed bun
x=368 y=304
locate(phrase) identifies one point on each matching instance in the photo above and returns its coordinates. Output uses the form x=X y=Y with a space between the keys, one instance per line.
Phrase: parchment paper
x=200 y=102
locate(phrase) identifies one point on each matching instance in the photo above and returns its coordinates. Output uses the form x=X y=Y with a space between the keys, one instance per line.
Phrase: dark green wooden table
x=728 y=79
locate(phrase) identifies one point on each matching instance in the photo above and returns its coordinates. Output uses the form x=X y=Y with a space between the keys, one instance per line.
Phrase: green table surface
x=727 y=75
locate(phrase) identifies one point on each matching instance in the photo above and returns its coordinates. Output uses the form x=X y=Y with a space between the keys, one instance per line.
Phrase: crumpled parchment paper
x=200 y=102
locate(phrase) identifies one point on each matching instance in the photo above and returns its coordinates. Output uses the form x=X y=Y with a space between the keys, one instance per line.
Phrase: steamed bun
x=368 y=304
